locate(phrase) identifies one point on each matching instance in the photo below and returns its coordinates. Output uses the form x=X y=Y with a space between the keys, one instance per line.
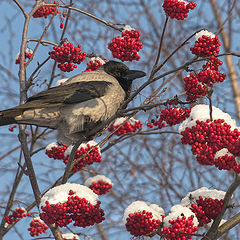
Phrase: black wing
x=67 y=94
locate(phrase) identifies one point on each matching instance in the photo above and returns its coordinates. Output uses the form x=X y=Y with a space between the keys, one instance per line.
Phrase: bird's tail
x=8 y=116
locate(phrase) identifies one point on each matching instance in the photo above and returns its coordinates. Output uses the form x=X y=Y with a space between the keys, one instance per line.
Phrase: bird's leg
x=71 y=160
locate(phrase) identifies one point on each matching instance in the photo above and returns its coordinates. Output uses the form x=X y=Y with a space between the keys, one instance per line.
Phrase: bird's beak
x=133 y=74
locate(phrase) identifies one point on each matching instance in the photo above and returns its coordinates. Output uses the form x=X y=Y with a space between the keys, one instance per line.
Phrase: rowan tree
x=165 y=167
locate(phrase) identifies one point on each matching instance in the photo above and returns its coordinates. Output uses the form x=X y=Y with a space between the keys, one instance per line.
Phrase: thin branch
x=21 y=8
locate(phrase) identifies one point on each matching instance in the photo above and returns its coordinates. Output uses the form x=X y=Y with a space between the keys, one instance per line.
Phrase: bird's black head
x=123 y=74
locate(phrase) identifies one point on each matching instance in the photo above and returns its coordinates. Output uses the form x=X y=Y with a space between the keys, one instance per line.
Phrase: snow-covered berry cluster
x=205 y=203
x=127 y=46
x=93 y=156
x=207 y=137
x=37 y=227
x=67 y=56
x=179 y=224
x=99 y=184
x=17 y=214
x=178 y=9
x=132 y=125
x=141 y=218
x=68 y=203
x=206 y=44
x=171 y=116
x=28 y=53
x=56 y=151
x=224 y=160
x=94 y=64
x=62 y=152
x=45 y=11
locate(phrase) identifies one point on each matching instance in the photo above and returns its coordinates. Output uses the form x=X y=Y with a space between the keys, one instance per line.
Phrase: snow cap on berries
x=201 y=112
x=60 y=194
x=70 y=236
x=51 y=145
x=120 y=120
x=204 y=193
x=61 y=81
x=97 y=178
x=178 y=211
x=140 y=206
x=204 y=32
x=128 y=28
x=222 y=153
x=83 y=145
x=102 y=61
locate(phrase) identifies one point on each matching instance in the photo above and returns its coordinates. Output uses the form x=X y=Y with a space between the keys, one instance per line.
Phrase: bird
x=79 y=105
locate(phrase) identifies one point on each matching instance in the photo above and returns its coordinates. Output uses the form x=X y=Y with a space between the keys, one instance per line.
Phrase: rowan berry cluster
x=141 y=218
x=28 y=53
x=37 y=227
x=132 y=125
x=206 y=209
x=127 y=46
x=178 y=227
x=142 y=223
x=99 y=184
x=223 y=159
x=62 y=152
x=171 y=116
x=56 y=151
x=17 y=214
x=100 y=187
x=45 y=11
x=206 y=44
x=207 y=137
x=75 y=209
x=197 y=84
x=204 y=203
x=94 y=64
x=177 y=9
x=93 y=156
x=67 y=56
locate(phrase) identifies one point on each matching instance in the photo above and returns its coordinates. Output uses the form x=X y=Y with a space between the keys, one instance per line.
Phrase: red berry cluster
x=206 y=46
x=94 y=64
x=45 y=11
x=76 y=209
x=141 y=223
x=129 y=126
x=196 y=84
x=206 y=138
x=206 y=209
x=177 y=9
x=37 y=227
x=194 y=89
x=100 y=187
x=171 y=116
x=93 y=156
x=28 y=53
x=227 y=162
x=178 y=226
x=56 y=151
x=68 y=56
x=17 y=214
x=127 y=46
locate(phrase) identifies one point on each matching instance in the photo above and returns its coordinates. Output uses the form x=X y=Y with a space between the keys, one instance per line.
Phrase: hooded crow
x=78 y=105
